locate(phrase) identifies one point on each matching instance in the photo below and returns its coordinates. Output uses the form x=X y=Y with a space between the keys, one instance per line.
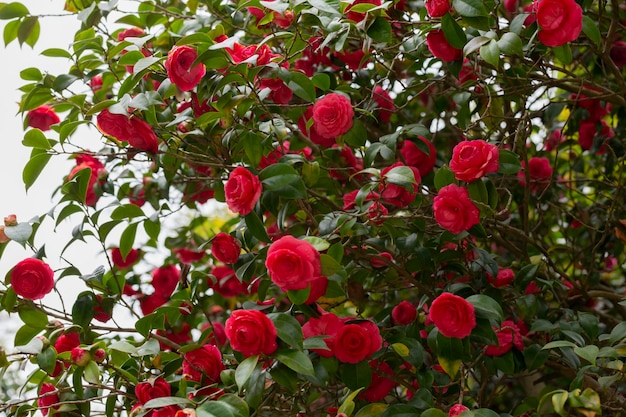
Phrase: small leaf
x=486 y=307
x=558 y=344
x=444 y=176
x=618 y=333
x=288 y=329
x=590 y=28
x=511 y=44
x=34 y=167
x=453 y=32
x=329 y=265
x=509 y=162
x=32 y=317
x=299 y=83
x=347 y=407
x=470 y=8
x=372 y=410
x=380 y=30
x=13 y=10
x=451 y=367
x=83 y=309
x=35 y=138
x=490 y=52
x=244 y=370
x=474 y=44
x=588 y=353
x=165 y=401
x=402 y=176
x=295 y=360
x=563 y=53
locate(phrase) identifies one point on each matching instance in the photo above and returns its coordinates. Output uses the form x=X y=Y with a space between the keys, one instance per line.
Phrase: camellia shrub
x=426 y=210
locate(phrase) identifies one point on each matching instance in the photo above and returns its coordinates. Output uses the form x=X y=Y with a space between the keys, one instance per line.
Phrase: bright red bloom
x=225 y=248
x=437 y=8
x=42 y=118
x=292 y=264
x=251 y=333
x=32 y=278
x=328 y=324
x=203 y=365
x=539 y=172
x=452 y=315
x=157 y=388
x=560 y=21
x=404 y=313
x=384 y=103
x=439 y=46
x=473 y=159
x=165 y=279
x=133 y=130
x=357 y=341
x=508 y=336
x=380 y=385
x=96 y=180
x=242 y=191
x=48 y=398
x=397 y=195
x=454 y=211
x=414 y=156
x=180 y=70
x=124 y=262
x=332 y=115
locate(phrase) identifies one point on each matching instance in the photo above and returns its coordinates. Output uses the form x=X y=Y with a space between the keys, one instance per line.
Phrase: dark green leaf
x=453 y=32
x=34 y=167
x=511 y=44
x=256 y=228
x=444 y=176
x=295 y=360
x=590 y=28
x=509 y=162
x=28 y=30
x=356 y=375
x=490 y=52
x=563 y=53
x=299 y=83
x=83 y=309
x=244 y=370
x=486 y=307
x=47 y=359
x=380 y=30
x=470 y=8
x=288 y=329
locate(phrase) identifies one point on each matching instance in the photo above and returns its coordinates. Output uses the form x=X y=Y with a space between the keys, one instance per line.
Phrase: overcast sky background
x=56 y=32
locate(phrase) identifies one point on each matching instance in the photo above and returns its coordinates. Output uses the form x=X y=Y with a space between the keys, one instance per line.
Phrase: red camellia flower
x=357 y=341
x=454 y=211
x=508 y=336
x=439 y=46
x=124 y=262
x=251 y=333
x=328 y=324
x=384 y=103
x=560 y=21
x=473 y=159
x=457 y=410
x=332 y=115
x=437 y=8
x=157 y=388
x=539 y=172
x=452 y=315
x=381 y=385
x=48 y=398
x=292 y=264
x=227 y=284
x=206 y=362
x=414 y=156
x=80 y=356
x=587 y=132
x=311 y=132
x=66 y=342
x=133 y=130
x=404 y=313
x=504 y=278
x=165 y=279
x=242 y=191
x=96 y=179
x=42 y=118
x=397 y=195
x=188 y=256
x=225 y=248
x=32 y=278
x=179 y=69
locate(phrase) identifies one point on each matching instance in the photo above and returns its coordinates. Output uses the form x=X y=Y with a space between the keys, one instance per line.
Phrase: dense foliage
x=427 y=210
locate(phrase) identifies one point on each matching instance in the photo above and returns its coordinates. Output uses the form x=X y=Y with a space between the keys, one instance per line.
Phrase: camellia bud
x=10 y=220
x=186 y=412
x=99 y=355
x=80 y=356
x=3 y=236
x=45 y=341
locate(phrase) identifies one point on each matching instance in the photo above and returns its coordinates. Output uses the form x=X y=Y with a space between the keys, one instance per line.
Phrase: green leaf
x=288 y=329
x=588 y=353
x=453 y=32
x=83 y=309
x=563 y=54
x=328 y=6
x=91 y=373
x=490 y=52
x=13 y=10
x=28 y=31
x=34 y=167
x=485 y=412
x=10 y=31
x=478 y=191
x=474 y=44
x=57 y=53
x=295 y=360
x=380 y=30
x=470 y=8
x=372 y=410
x=165 y=401
x=214 y=409
x=244 y=370
x=347 y=407
x=127 y=240
x=535 y=357
x=590 y=28
x=357 y=135
x=402 y=176
x=256 y=228
x=431 y=412
x=511 y=44
x=237 y=405
x=509 y=162
x=31 y=74
x=318 y=243
x=34 y=138
x=558 y=344
x=322 y=81
x=356 y=375
x=444 y=176
x=618 y=333
x=32 y=317
x=124 y=346
x=299 y=83
x=405 y=410
x=127 y=211
x=486 y=307
x=329 y=265
x=47 y=359
x=146 y=62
